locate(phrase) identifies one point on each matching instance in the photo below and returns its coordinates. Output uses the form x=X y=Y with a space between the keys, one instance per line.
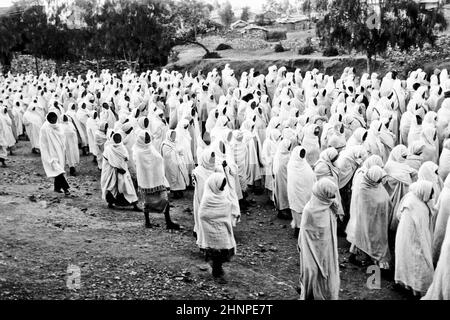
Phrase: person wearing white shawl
x=280 y=161
x=201 y=173
x=349 y=160
x=117 y=185
x=443 y=212
x=300 y=178
x=152 y=184
x=91 y=128
x=270 y=146
x=415 y=158
x=373 y=143
x=53 y=152
x=7 y=140
x=429 y=171
x=128 y=132
x=318 y=244
x=99 y=140
x=373 y=160
x=310 y=142
x=358 y=137
x=225 y=161
x=82 y=115
x=215 y=216
x=183 y=142
x=254 y=148
x=71 y=144
x=399 y=177
x=175 y=169
x=444 y=160
x=72 y=113
x=431 y=149
x=440 y=287
x=370 y=206
x=33 y=122
x=413 y=242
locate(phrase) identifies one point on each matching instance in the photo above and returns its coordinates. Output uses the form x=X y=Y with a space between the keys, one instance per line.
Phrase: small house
x=253 y=31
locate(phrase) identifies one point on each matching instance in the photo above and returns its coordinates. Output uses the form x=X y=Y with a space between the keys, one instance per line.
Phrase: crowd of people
x=363 y=157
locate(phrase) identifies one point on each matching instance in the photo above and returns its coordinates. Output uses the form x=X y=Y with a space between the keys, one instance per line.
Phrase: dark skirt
x=155 y=200
x=221 y=255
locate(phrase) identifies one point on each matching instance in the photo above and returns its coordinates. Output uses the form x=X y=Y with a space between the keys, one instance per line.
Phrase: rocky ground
x=42 y=233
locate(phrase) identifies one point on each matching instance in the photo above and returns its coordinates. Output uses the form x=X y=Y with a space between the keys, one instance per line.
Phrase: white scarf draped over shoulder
x=52 y=146
x=149 y=166
x=215 y=215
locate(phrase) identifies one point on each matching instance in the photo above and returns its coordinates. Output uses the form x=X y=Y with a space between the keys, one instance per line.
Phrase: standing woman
x=280 y=162
x=443 y=214
x=399 y=177
x=100 y=139
x=371 y=205
x=206 y=167
x=215 y=222
x=33 y=121
x=440 y=287
x=175 y=168
x=431 y=149
x=117 y=185
x=53 y=152
x=7 y=140
x=317 y=243
x=413 y=243
x=151 y=180
x=300 y=178
x=71 y=138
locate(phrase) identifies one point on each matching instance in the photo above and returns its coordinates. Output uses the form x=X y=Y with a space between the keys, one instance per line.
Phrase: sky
x=5 y=3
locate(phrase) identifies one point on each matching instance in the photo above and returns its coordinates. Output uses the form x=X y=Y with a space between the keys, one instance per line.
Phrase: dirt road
x=42 y=233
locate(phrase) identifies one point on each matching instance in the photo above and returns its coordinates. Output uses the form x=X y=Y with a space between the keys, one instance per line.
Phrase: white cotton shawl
x=149 y=166
x=300 y=178
x=215 y=216
x=52 y=147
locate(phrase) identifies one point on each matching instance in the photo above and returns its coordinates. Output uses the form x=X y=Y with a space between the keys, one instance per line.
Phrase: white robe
x=52 y=146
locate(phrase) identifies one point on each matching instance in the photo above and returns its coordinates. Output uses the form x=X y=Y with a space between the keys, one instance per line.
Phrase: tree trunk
x=199 y=44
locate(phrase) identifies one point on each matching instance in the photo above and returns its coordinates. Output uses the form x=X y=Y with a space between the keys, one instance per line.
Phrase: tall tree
x=226 y=14
x=354 y=24
x=245 y=14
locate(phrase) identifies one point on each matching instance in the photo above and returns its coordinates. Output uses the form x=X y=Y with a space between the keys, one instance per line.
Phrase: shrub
x=305 y=50
x=223 y=46
x=276 y=35
x=279 y=48
x=212 y=55
x=330 y=52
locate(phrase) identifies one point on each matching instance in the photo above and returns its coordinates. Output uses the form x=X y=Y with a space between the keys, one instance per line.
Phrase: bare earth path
x=41 y=233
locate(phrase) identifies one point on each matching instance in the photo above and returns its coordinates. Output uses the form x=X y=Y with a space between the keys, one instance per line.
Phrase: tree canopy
x=140 y=32
x=354 y=24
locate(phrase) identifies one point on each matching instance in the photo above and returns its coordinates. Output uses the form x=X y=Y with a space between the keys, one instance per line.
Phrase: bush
x=276 y=35
x=223 y=46
x=279 y=48
x=212 y=55
x=306 y=50
x=330 y=52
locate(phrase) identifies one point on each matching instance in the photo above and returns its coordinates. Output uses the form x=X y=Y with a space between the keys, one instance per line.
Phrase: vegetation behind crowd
x=141 y=33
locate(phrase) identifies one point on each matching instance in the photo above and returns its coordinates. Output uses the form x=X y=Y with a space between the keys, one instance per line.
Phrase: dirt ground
x=42 y=233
